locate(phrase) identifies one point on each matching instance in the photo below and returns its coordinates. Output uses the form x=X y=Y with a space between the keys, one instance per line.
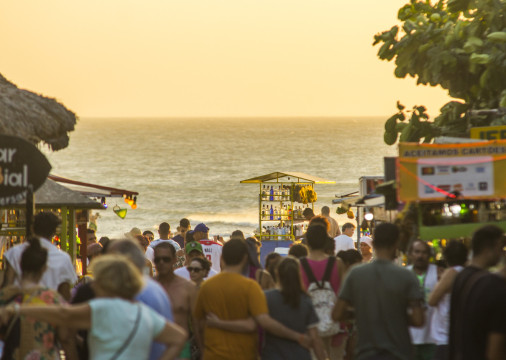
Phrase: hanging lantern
x=134 y=203
x=119 y=211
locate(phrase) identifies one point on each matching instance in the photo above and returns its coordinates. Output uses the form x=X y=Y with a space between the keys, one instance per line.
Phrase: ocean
x=193 y=167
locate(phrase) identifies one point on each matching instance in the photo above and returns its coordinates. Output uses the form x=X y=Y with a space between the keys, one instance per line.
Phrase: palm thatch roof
x=34 y=117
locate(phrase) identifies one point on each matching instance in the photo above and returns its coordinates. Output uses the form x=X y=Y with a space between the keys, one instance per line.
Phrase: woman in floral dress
x=24 y=337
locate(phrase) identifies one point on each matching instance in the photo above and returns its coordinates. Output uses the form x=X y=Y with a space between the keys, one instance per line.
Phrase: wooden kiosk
x=282 y=197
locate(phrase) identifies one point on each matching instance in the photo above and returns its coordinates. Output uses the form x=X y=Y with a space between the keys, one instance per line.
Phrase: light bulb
x=455 y=209
x=369 y=216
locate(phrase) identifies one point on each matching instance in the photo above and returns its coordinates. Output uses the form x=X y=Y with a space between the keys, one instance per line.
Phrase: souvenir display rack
x=282 y=198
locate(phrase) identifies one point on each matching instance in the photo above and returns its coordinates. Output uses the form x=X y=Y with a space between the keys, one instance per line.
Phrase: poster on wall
x=467 y=176
x=440 y=171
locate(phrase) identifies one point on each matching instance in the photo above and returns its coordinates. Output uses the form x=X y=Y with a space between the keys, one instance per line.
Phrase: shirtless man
x=182 y=293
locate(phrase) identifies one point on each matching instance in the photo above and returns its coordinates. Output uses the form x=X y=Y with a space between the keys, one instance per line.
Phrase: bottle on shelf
x=264 y=192
x=271 y=213
x=271 y=193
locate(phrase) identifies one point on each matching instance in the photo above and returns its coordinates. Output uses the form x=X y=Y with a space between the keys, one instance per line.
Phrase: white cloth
x=172 y=242
x=59 y=265
x=422 y=335
x=212 y=251
x=185 y=274
x=344 y=242
x=440 y=322
x=150 y=254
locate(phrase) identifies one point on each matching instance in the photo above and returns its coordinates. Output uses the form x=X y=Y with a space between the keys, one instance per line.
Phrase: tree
x=459 y=45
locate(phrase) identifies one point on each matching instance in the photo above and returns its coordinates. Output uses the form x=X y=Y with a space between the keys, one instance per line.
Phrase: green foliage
x=459 y=45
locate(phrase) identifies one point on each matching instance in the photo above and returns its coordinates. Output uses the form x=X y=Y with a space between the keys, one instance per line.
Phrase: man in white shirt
x=345 y=241
x=211 y=248
x=164 y=233
x=193 y=249
x=60 y=274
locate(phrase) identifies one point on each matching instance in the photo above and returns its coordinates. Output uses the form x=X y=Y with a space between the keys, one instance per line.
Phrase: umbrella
x=34 y=117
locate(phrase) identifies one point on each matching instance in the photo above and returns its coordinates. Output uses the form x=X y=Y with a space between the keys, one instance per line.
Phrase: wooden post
x=30 y=209
x=64 y=229
x=72 y=235
x=83 y=235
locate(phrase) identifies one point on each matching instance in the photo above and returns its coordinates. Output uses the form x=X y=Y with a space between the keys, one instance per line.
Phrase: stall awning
x=287 y=177
x=347 y=199
x=92 y=190
x=54 y=196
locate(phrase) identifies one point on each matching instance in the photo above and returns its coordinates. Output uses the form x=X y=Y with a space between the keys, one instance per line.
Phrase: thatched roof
x=34 y=117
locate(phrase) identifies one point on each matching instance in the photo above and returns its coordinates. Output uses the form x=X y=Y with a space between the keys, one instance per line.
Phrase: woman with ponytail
x=290 y=305
x=27 y=338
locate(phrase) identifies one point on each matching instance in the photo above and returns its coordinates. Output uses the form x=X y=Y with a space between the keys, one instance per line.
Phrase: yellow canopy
x=291 y=177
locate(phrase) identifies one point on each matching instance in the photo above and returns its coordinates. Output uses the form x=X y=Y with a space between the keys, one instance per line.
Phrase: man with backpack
x=321 y=275
x=386 y=299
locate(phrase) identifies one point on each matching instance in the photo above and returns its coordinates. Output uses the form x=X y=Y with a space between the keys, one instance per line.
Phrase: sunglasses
x=166 y=259
x=194 y=269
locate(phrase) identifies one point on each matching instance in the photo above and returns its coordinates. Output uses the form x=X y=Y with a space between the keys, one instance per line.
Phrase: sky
x=207 y=58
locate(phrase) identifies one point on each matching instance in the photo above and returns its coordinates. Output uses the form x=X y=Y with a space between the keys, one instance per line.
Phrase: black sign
x=21 y=165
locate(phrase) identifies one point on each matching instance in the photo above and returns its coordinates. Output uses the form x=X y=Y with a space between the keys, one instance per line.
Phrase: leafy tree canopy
x=459 y=45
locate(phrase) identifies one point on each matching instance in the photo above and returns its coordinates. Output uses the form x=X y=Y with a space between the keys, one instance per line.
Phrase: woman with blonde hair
x=119 y=328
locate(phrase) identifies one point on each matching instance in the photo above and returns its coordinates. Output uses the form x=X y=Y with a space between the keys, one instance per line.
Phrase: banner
x=431 y=172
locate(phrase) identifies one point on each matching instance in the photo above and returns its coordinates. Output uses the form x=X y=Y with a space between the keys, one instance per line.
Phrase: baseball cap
x=193 y=246
x=133 y=233
x=201 y=227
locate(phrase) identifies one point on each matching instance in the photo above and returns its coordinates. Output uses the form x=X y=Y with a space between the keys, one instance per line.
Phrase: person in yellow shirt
x=228 y=300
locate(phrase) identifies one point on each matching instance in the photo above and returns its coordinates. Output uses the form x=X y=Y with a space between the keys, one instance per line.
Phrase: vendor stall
x=282 y=198
x=73 y=200
x=72 y=206
x=454 y=188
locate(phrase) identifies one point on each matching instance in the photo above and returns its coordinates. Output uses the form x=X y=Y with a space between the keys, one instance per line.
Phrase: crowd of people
x=185 y=296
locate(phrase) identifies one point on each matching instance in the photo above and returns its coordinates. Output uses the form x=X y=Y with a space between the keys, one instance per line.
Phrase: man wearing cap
x=211 y=248
x=193 y=249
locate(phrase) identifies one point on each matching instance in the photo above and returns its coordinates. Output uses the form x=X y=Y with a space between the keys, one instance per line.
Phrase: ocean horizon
x=192 y=167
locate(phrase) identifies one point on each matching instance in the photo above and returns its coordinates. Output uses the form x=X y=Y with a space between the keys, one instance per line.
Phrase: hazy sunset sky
x=162 y=58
